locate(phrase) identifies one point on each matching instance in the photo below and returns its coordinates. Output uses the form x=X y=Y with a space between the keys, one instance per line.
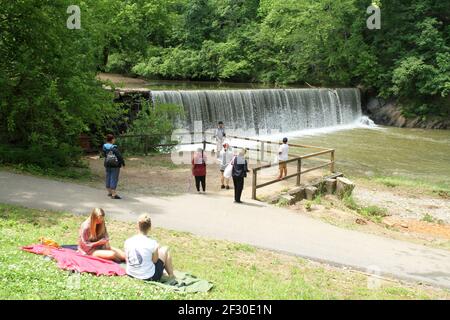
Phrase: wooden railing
x=295 y=158
x=261 y=149
x=298 y=172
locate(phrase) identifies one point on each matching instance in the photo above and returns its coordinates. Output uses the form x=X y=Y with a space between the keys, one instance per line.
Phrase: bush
x=154 y=125
x=41 y=156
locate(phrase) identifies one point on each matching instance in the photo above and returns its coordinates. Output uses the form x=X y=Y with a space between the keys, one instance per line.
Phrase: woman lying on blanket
x=94 y=240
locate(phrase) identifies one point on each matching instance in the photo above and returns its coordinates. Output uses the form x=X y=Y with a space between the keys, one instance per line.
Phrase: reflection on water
x=412 y=153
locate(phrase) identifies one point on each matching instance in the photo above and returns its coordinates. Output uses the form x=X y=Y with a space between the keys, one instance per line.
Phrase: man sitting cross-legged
x=146 y=260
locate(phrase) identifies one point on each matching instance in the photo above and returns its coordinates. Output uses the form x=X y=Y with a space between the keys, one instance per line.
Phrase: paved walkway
x=258 y=224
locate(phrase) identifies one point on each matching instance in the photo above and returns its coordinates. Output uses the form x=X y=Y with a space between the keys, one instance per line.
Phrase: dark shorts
x=159 y=269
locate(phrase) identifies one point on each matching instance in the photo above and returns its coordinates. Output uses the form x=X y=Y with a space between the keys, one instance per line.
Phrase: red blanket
x=72 y=260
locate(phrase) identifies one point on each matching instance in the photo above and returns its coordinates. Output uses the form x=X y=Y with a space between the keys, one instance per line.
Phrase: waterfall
x=266 y=110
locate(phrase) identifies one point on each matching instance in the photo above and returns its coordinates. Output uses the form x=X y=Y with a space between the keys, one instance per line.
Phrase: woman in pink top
x=199 y=169
x=94 y=240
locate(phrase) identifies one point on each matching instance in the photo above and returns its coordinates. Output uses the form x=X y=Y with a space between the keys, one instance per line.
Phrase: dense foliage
x=322 y=43
x=49 y=93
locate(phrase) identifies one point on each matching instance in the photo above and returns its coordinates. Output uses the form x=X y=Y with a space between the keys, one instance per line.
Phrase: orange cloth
x=48 y=242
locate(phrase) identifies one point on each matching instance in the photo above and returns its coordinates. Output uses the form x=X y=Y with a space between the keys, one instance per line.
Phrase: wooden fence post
x=299 y=170
x=332 y=162
x=262 y=152
x=254 y=184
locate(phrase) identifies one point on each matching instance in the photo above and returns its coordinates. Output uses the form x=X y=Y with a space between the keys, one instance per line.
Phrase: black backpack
x=111 y=160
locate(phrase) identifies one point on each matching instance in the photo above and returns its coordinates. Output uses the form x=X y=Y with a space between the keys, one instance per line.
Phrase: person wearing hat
x=283 y=155
x=225 y=158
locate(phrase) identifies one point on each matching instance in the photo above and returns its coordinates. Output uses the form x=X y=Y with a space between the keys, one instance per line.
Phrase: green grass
x=282 y=202
x=81 y=173
x=238 y=271
x=429 y=218
x=442 y=189
x=373 y=213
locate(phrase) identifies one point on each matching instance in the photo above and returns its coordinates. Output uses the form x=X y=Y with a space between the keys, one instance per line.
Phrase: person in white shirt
x=145 y=259
x=220 y=136
x=225 y=157
x=283 y=155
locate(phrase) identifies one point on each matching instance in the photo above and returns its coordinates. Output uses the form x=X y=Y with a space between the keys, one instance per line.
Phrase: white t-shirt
x=138 y=252
x=284 y=150
x=225 y=158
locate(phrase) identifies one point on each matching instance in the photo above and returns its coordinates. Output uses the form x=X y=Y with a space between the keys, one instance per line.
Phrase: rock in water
x=344 y=187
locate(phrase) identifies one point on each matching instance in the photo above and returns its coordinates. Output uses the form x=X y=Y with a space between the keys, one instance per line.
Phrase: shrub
x=154 y=125
x=41 y=156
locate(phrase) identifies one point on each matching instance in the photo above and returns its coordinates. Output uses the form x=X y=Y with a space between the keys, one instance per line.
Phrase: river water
x=411 y=153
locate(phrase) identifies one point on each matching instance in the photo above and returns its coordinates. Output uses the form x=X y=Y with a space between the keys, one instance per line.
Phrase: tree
x=48 y=91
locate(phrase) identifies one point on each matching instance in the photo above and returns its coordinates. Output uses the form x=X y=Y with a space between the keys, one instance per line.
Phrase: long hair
x=96 y=231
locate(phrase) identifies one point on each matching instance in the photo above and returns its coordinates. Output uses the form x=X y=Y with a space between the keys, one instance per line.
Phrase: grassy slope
x=238 y=271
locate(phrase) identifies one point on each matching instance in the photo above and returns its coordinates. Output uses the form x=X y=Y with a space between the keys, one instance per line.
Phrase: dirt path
x=216 y=216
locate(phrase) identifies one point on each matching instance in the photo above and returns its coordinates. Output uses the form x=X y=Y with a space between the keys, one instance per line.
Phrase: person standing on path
x=225 y=158
x=240 y=169
x=113 y=162
x=283 y=155
x=219 y=135
x=199 y=169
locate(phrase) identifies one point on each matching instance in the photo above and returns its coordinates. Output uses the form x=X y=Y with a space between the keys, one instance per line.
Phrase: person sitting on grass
x=94 y=240
x=146 y=260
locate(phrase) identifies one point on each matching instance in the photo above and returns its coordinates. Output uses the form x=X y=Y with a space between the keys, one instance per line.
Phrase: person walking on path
x=219 y=135
x=224 y=159
x=239 y=172
x=199 y=169
x=283 y=155
x=113 y=162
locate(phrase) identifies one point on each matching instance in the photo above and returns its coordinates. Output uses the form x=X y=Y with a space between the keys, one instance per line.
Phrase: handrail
x=261 y=149
x=297 y=174
x=277 y=143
